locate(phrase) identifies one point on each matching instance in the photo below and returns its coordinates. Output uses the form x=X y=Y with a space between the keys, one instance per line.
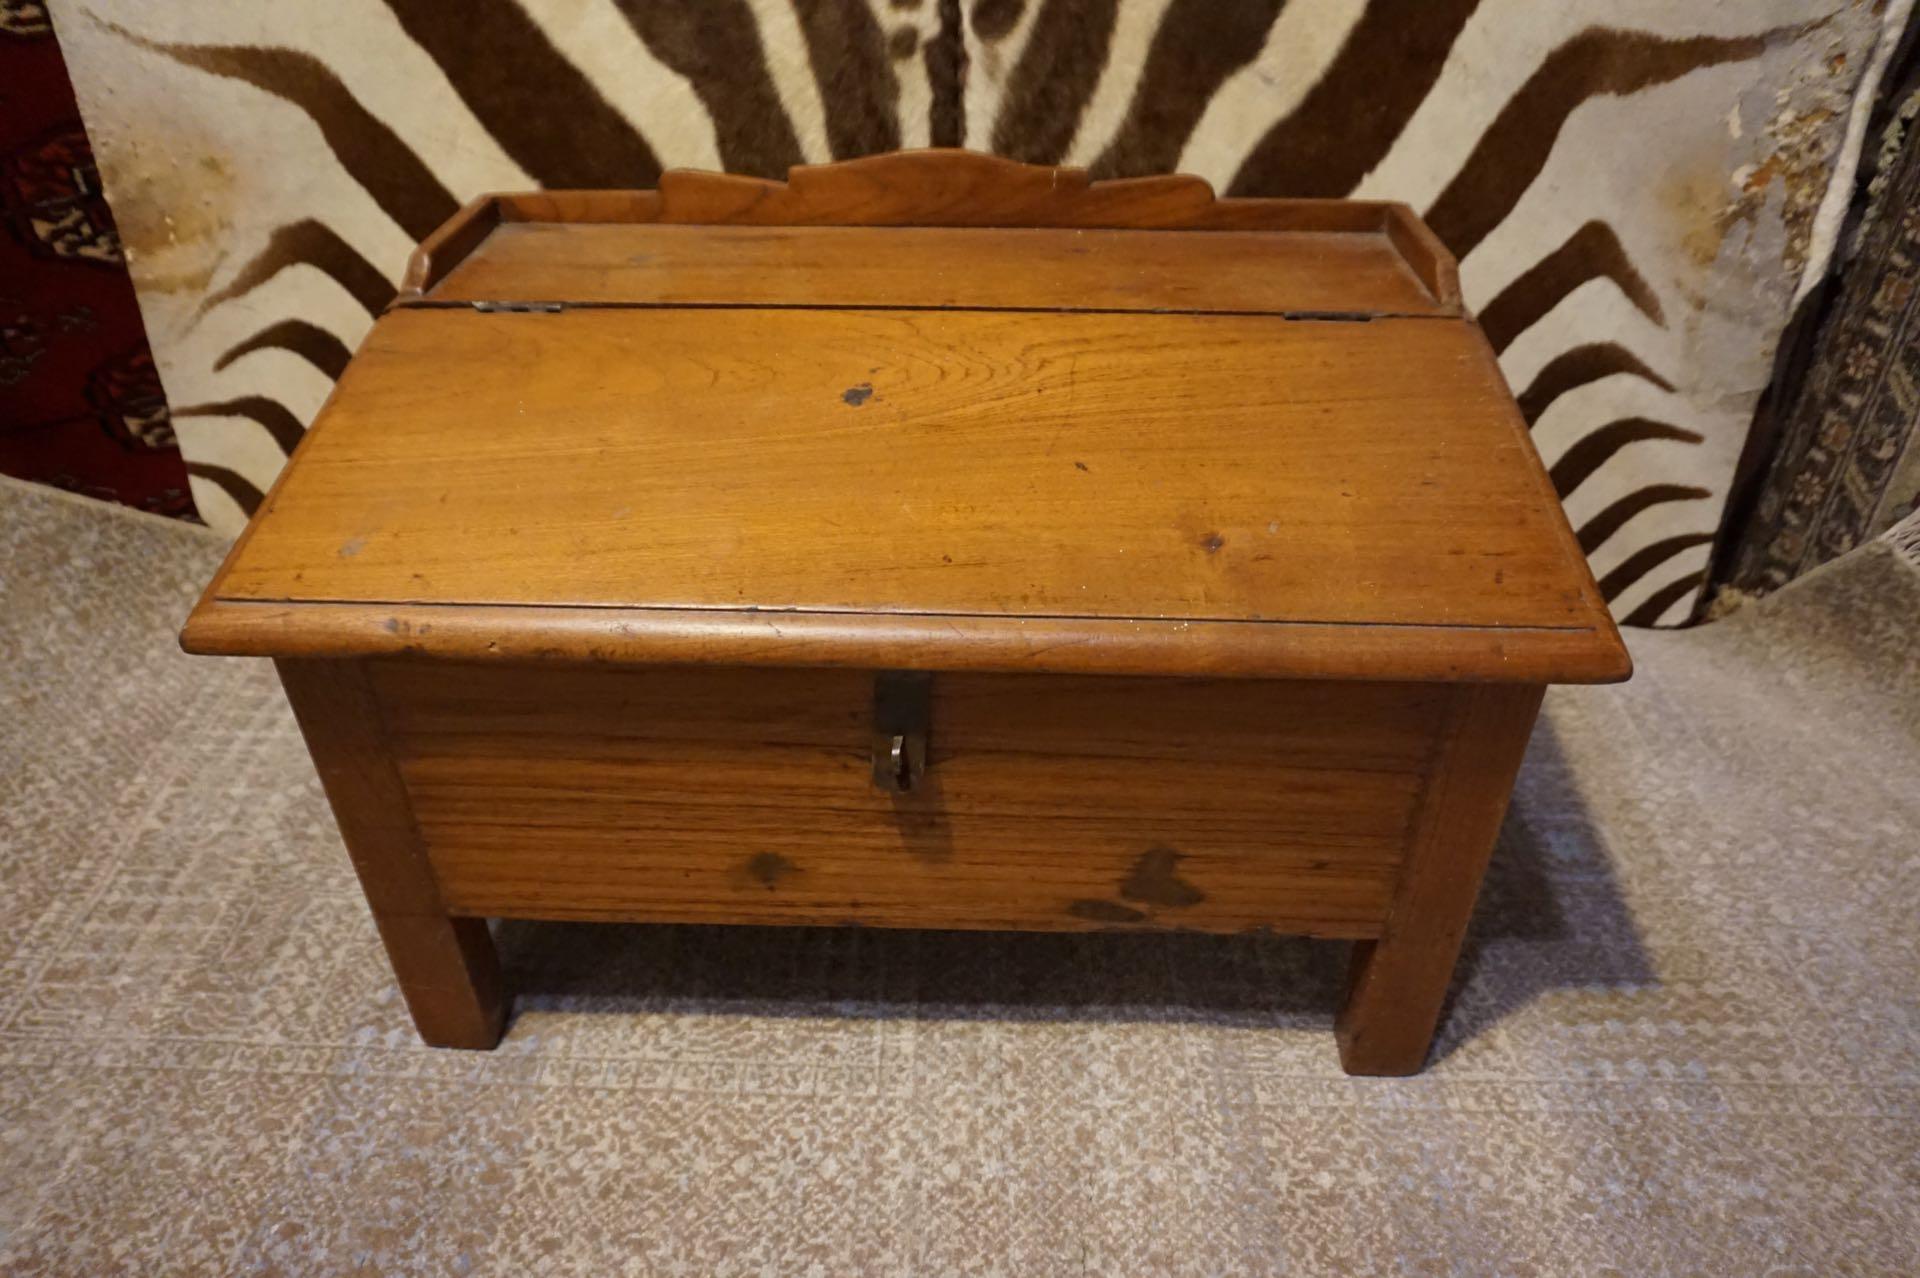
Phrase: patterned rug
x=81 y=406
x=1684 y=1041
x=1847 y=465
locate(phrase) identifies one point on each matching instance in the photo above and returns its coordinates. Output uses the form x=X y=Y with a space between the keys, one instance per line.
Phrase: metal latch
x=902 y=709
x=542 y=308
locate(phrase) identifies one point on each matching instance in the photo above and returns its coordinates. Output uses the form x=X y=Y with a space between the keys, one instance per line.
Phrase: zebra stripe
x=308 y=242
x=1345 y=125
x=1199 y=44
x=371 y=152
x=1509 y=155
x=1592 y=252
x=518 y=99
x=1369 y=89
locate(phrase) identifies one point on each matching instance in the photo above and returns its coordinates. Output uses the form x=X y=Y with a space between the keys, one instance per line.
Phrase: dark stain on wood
x=1106 y=912
x=1212 y=542
x=768 y=868
x=1154 y=880
x=855 y=396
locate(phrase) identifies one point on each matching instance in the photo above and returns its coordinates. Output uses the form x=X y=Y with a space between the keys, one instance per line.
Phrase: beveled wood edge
x=1551 y=506
x=1053 y=645
x=448 y=246
x=1424 y=254
x=936 y=187
x=211 y=596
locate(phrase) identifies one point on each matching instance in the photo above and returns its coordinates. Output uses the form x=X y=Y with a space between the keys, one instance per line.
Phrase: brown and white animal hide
x=1632 y=185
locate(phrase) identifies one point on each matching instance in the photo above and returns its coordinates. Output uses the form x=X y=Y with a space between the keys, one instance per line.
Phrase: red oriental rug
x=81 y=406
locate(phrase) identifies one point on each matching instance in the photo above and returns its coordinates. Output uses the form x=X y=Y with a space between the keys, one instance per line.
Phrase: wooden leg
x=1398 y=982
x=446 y=966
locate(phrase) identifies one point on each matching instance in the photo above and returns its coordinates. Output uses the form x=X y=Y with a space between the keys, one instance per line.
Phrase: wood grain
x=926 y=641
x=940 y=187
x=1032 y=268
x=1238 y=613
x=1158 y=470
x=1399 y=982
x=1423 y=253
x=451 y=242
x=445 y=965
x=1051 y=802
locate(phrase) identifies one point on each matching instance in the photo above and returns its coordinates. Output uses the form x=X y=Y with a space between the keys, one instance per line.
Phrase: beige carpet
x=1687 y=1040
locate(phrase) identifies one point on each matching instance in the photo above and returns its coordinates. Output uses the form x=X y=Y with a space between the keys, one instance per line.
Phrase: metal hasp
x=902 y=710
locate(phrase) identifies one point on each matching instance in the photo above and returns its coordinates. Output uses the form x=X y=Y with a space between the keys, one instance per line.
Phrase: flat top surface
x=1049 y=268
x=1170 y=467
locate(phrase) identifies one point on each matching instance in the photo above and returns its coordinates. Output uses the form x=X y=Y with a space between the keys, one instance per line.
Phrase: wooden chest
x=927 y=541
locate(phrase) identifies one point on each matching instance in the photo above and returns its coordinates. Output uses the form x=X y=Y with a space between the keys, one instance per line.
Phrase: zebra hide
x=1634 y=187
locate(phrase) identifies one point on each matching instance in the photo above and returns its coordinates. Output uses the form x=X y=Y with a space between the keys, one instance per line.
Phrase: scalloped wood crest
x=939 y=187
x=932 y=188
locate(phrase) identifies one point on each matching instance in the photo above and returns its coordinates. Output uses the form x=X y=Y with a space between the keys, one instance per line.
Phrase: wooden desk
x=928 y=541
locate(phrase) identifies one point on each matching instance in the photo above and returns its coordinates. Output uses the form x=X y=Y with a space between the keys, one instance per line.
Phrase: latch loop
x=902 y=709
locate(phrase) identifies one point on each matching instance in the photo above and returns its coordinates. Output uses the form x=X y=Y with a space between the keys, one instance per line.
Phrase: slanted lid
x=1212 y=449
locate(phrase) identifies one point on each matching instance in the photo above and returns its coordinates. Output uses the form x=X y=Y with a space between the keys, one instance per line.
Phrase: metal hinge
x=542 y=308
